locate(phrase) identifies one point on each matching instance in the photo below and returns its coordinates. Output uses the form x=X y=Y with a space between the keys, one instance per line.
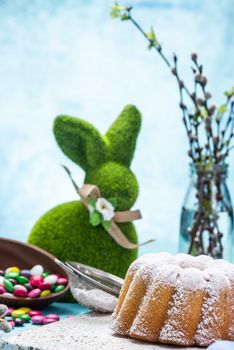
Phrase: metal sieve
x=91 y=287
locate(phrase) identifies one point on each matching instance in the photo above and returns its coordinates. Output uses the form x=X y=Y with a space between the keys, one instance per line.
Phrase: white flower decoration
x=105 y=208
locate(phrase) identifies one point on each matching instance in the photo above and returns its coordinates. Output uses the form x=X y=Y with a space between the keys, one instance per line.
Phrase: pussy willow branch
x=229 y=122
x=225 y=146
x=214 y=147
x=182 y=88
x=202 y=81
x=158 y=48
x=186 y=119
x=196 y=122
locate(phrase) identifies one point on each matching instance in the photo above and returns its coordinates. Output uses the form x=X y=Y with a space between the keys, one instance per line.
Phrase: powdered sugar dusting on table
x=86 y=332
x=95 y=299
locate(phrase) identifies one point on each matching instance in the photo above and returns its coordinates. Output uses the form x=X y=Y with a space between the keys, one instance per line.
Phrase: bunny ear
x=122 y=135
x=80 y=141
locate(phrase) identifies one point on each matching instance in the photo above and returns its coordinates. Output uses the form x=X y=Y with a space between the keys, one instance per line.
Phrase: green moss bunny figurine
x=65 y=230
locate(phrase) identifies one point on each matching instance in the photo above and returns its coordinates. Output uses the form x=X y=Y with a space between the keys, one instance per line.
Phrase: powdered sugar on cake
x=202 y=288
x=212 y=315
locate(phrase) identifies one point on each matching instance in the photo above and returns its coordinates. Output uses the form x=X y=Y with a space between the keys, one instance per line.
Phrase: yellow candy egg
x=25 y=309
x=45 y=293
x=12 y=269
x=17 y=313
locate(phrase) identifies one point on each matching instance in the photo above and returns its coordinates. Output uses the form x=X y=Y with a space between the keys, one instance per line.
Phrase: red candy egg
x=22 y=293
x=34 y=313
x=62 y=281
x=35 y=281
x=2 y=289
x=44 y=286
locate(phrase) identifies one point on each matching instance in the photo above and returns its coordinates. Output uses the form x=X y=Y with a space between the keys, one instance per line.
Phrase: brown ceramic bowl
x=25 y=256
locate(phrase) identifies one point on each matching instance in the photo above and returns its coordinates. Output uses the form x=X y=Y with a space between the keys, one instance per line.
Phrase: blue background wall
x=70 y=57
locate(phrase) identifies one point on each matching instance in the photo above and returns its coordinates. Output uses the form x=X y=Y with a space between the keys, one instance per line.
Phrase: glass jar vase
x=206 y=223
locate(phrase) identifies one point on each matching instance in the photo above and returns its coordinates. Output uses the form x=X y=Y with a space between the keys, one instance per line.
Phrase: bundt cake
x=180 y=300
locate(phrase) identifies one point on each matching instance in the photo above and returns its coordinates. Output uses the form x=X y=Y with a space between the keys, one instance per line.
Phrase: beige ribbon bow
x=87 y=191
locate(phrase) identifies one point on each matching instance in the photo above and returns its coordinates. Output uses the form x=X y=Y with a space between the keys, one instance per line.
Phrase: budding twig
x=207 y=153
x=203 y=114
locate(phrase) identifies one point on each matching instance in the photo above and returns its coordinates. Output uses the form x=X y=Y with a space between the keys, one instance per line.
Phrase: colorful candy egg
x=11 y=275
x=21 y=293
x=35 y=313
x=25 y=318
x=34 y=293
x=25 y=309
x=59 y=288
x=2 y=289
x=12 y=269
x=49 y=320
x=45 y=293
x=19 y=286
x=9 y=286
x=7 y=295
x=17 y=313
x=25 y=273
x=18 y=322
x=44 y=286
x=54 y=316
x=22 y=279
x=36 y=280
x=62 y=281
x=51 y=279
x=37 y=319
x=37 y=270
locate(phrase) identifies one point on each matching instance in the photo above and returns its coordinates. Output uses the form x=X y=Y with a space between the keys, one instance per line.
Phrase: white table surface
x=85 y=332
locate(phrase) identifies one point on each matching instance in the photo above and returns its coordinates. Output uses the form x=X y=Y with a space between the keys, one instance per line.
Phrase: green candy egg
x=53 y=287
x=22 y=279
x=25 y=318
x=9 y=286
x=58 y=288
x=45 y=274
x=11 y=275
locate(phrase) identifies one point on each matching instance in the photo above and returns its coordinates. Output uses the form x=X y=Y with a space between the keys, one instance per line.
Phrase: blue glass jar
x=206 y=223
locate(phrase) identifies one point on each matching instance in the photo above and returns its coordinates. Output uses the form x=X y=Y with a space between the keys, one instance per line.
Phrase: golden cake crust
x=180 y=300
